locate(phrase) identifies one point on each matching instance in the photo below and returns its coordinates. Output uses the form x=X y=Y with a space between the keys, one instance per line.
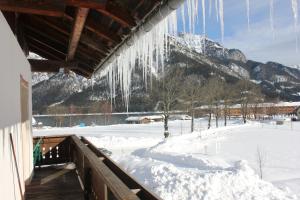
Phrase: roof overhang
x=80 y=35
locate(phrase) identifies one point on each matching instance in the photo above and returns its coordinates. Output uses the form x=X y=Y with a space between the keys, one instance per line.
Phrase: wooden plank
x=118 y=14
x=42 y=52
x=116 y=186
x=53 y=8
x=94 y=4
x=140 y=190
x=99 y=30
x=65 y=185
x=43 y=65
x=81 y=16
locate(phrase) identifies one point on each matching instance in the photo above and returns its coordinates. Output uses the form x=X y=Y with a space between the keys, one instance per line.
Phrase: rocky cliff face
x=198 y=54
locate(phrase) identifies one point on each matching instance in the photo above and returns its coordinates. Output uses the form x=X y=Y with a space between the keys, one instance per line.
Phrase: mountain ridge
x=196 y=53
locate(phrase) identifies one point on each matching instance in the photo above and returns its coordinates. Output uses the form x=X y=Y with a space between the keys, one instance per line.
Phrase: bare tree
x=58 y=111
x=212 y=95
x=244 y=95
x=227 y=96
x=191 y=93
x=167 y=91
x=261 y=161
x=256 y=100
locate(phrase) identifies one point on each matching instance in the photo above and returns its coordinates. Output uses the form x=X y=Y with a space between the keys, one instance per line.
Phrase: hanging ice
x=203 y=17
x=210 y=8
x=248 y=13
x=295 y=14
x=217 y=9
x=272 y=17
x=204 y=23
x=183 y=16
x=221 y=14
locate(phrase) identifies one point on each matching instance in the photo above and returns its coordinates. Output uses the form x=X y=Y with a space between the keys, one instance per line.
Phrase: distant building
x=297 y=112
x=180 y=117
x=262 y=109
x=144 y=119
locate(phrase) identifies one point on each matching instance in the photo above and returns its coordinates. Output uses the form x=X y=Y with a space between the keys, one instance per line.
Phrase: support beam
x=50 y=65
x=87 y=41
x=119 y=15
x=53 y=8
x=94 y=4
x=81 y=16
x=104 y=7
x=99 y=30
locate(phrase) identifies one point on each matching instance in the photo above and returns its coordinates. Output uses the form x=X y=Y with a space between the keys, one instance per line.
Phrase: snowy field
x=221 y=163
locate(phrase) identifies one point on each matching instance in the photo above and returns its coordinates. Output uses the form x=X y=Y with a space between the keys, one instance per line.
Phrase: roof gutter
x=157 y=14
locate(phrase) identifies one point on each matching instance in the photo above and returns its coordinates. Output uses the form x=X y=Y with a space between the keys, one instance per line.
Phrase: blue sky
x=259 y=42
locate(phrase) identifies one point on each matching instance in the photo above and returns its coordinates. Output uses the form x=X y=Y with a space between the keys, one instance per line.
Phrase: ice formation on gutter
x=272 y=17
x=150 y=50
x=248 y=13
x=295 y=15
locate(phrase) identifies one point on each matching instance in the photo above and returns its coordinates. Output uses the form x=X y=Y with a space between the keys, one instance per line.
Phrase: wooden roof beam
x=55 y=65
x=100 y=31
x=53 y=8
x=42 y=52
x=118 y=14
x=49 y=65
x=84 y=39
x=104 y=7
x=78 y=26
x=94 y=4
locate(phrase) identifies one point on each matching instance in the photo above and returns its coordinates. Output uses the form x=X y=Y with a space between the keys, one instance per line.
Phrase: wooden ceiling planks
x=81 y=31
x=78 y=26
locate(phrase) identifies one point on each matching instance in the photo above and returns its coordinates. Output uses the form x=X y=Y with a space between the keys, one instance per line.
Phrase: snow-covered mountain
x=198 y=54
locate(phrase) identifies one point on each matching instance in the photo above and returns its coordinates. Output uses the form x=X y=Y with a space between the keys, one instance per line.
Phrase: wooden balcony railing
x=101 y=177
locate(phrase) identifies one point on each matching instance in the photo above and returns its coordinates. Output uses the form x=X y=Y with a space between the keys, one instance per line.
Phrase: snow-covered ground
x=207 y=164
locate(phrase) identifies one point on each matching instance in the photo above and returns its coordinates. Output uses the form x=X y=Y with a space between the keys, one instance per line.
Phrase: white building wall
x=13 y=65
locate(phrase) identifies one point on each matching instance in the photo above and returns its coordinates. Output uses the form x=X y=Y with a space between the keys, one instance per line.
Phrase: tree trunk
x=166 y=120
x=192 y=121
x=225 y=115
x=217 y=116
x=209 y=120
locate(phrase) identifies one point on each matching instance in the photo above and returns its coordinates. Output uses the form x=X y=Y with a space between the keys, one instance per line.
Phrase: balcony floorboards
x=54 y=183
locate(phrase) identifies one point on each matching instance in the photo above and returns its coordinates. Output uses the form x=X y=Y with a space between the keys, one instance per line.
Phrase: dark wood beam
x=53 y=8
x=101 y=31
x=106 y=8
x=78 y=26
x=118 y=14
x=47 y=65
x=87 y=41
x=30 y=38
x=59 y=42
x=55 y=65
x=42 y=52
x=94 y=4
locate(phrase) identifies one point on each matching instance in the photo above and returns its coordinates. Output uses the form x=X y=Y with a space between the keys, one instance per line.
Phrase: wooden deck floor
x=54 y=183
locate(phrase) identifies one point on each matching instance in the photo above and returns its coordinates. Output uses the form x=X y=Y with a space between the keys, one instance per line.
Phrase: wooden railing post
x=87 y=183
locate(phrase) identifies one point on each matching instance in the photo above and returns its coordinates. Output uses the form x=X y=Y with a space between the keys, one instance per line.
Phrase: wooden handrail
x=102 y=173
x=127 y=179
x=100 y=176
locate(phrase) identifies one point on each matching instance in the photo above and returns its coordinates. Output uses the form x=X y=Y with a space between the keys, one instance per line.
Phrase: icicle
x=221 y=13
x=204 y=24
x=295 y=14
x=210 y=8
x=217 y=9
x=272 y=17
x=203 y=17
x=248 y=13
x=183 y=17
